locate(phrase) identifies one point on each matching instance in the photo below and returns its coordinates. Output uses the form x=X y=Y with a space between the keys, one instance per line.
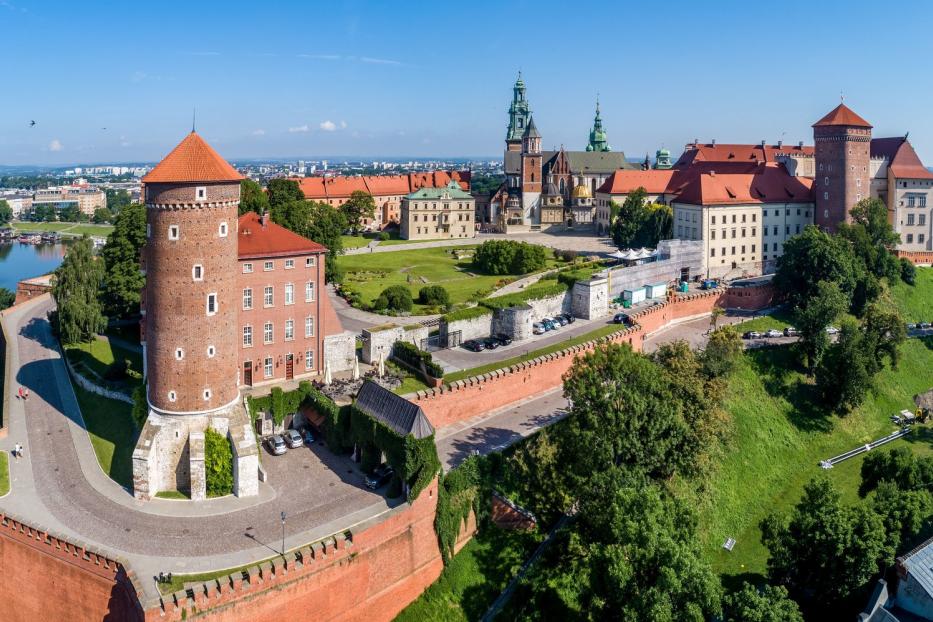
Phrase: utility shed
x=394 y=411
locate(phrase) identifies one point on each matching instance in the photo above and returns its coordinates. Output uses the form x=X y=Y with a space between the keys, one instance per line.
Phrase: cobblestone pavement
x=53 y=485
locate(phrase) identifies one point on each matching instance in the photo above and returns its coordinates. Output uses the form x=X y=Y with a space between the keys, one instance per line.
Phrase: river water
x=24 y=261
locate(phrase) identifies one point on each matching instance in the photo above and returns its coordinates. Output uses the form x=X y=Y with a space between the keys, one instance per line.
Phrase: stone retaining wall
x=87 y=385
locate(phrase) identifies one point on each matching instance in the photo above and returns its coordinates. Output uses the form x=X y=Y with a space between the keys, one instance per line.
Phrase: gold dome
x=581 y=192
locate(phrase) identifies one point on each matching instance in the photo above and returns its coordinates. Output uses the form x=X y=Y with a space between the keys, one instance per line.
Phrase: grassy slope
x=100 y=354
x=437 y=266
x=113 y=434
x=916 y=303
x=72 y=228
x=779 y=320
x=473 y=579
x=4 y=473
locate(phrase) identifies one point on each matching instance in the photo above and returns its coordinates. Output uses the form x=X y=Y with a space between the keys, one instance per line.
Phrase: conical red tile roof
x=192 y=160
x=842 y=115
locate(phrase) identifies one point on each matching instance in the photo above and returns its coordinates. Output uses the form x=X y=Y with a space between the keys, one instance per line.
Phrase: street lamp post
x=283 y=533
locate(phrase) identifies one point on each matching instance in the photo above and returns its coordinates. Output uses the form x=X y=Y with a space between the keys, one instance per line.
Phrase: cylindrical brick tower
x=842 y=142
x=190 y=259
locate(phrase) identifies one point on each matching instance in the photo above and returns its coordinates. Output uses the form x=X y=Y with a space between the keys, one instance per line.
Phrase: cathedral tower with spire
x=519 y=115
x=598 y=139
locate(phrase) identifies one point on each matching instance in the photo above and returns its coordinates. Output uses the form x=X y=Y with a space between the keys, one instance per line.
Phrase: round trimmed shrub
x=397 y=298
x=434 y=295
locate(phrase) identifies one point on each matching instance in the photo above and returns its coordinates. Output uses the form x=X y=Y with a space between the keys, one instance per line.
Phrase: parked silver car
x=293 y=438
x=276 y=445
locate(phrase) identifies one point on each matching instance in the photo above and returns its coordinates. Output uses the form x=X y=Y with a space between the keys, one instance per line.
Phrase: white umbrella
x=643 y=253
x=327 y=377
x=356 y=368
x=629 y=254
x=618 y=255
x=382 y=364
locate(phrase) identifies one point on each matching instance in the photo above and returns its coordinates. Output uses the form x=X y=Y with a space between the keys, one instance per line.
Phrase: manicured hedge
x=412 y=356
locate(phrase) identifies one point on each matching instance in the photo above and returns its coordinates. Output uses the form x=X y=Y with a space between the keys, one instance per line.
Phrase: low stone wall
x=87 y=385
x=506 y=515
x=920 y=258
x=378 y=340
x=472 y=328
x=46 y=577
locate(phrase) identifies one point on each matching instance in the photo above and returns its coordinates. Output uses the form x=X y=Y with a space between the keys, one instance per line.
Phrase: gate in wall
x=437 y=342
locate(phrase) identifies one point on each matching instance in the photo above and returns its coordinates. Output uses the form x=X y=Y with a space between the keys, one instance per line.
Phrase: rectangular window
x=309 y=359
x=921 y=238
x=173 y=232
x=289 y=264
x=733 y=250
x=798 y=228
x=269 y=265
x=910 y=238
x=309 y=291
x=743 y=217
x=712 y=234
x=713 y=220
x=910 y=219
x=910 y=202
x=712 y=252
x=786 y=229
x=309 y=262
x=289 y=294
x=754 y=217
x=267 y=367
x=743 y=249
x=775 y=230
x=753 y=231
x=921 y=219
x=289 y=330
x=247 y=298
x=733 y=233
x=247 y=336
x=922 y=200
x=309 y=326
x=212 y=304
x=267 y=296
x=267 y=332
x=247 y=268
x=743 y=232
x=753 y=248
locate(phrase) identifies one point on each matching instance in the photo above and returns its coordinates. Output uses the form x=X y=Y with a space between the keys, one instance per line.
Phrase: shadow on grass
x=733 y=582
x=782 y=378
x=927 y=341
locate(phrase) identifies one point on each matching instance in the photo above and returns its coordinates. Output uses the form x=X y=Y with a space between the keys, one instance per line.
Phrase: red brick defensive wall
x=920 y=258
x=464 y=399
x=367 y=575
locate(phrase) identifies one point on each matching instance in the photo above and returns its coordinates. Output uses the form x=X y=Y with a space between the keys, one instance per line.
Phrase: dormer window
x=200 y=193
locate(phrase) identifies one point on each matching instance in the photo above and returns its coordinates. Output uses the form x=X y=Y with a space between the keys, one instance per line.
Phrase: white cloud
x=56 y=145
x=300 y=128
x=259 y=132
x=138 y=76
x=124 y=142
x=379 y=61
x=320 y=56
x=328 y=126
x=343 y=125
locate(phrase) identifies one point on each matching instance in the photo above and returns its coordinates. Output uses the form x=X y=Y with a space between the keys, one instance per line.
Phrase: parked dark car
x=474 y=345
x=560 y=320
x=569 y=318
x=549 y=324
x=490 y=343
x=307 y=436
x=622 y=318
x=503 y=339
x=380 y=476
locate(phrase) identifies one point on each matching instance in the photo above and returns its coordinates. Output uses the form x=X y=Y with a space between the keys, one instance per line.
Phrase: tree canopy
x=813 y=314
x=509 y=257
x=316 y=221
x=360 y=205
x=768 y=604
x=117 y=200
x=637 y=223
x=810 y=258
x=283 y=191
x=7 y=298
x=252 y=197
x=6 y=212
x=77 y=293
x=123 y=280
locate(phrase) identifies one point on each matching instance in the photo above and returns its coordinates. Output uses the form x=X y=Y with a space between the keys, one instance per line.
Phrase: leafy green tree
x=536 y=464
x=252 y=197
x=117 y=200
x=768 y=604
x=873 y=238
x=218 y=464
x=434 y=295
x=359 y=206
x=827 y=549
x=624 y=414
x=637 y=223
x=843 y=374
x=124 y=281
x=899 y=465
x=70 y=213
x=509 y=257
x=7 y=298
x=283 y=191
x=811 y=257
x=723 y=351
x=905 y=513
x=908 y=271
x=396 y=298
x=6 y=212
x=813 y=315
x=885 y=331
x=485 y=184
x=77 y=293
x=102 y=216
x=316 y=221
x=44 y=213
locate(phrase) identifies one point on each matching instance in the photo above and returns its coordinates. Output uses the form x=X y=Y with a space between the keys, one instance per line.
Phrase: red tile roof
x=739 y=153
x=341 y=187
x=842 y=115
x=192 y=160
x=255 y=240
x=626 y=181
x=770 y=183
x=903 y=161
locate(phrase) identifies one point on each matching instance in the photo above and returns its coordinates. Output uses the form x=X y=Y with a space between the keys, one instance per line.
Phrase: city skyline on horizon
x=368 y=79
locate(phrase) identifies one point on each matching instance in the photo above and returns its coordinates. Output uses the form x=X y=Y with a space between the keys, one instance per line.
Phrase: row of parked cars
x=919 y=326
x=789 y=331
x=278 y=444
x=542 y=326
x=489 y=343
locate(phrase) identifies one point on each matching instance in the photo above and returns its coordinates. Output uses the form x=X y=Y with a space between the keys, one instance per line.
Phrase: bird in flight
x=32 y=123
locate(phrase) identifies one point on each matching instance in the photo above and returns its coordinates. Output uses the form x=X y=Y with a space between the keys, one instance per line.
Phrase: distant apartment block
x=84 y=197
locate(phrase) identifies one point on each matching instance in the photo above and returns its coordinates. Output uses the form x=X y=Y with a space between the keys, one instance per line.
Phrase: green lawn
x=779 y=320
x=916 y=302
x=602 y=331
x=473 y=579
x=113 y=434
x=172 y=494
x=4 y=473
x=779 y=436
x=370 y=273
x=354 y=241
x=69 y=228
x=99 y=355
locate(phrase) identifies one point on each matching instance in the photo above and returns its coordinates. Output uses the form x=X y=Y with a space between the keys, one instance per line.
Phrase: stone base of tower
x=169 y=454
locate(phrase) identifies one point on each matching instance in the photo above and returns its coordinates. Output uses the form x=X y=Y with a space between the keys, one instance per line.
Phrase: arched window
x=562 y=186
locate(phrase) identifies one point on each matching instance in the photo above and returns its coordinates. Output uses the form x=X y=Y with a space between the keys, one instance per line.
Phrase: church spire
x=519 y=113
x=598 y=140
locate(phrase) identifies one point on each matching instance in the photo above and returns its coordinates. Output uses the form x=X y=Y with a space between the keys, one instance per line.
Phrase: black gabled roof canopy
x=394 y=411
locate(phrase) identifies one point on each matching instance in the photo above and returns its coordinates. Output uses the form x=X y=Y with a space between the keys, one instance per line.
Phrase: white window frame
x=223 y=229
x=174 y=233
x=248 y=336
x=309 y=262
x=309 y=359
x=268 y=294
x=309 y=291
x=179 y=354
x=216 y=303
x=289 y=264
x=211 y=352
x=247 y=298
x=268 y=266
x=309 y=326
x=289 y=330
x=289 y=293
x=268 y=333
x=200 y=193
x=267 y=369
x=197 y=272
x=172 y=396
x=248 y=268
x=206 y=395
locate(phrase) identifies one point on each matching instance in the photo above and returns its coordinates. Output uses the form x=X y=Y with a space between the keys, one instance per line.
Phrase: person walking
x=17 y=449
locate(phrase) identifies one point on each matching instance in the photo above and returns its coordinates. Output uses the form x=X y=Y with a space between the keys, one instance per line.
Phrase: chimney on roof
x=712 y=173
x=762 y=144
x=780 y=142
x=714 y=142
x=264 y=219
x=696 y=141
x=800 y=145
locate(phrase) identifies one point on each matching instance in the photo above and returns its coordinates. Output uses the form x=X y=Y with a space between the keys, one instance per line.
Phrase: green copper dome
x=598 y=139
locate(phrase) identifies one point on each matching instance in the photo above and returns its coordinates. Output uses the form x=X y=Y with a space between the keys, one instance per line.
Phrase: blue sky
x=387 y=78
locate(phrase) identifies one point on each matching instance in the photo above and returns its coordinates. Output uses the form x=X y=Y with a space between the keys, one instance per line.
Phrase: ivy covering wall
x=459 y=492
x=218 y=464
